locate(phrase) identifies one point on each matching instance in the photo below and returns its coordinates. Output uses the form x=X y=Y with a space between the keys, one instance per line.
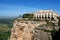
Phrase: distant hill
x=6 y=17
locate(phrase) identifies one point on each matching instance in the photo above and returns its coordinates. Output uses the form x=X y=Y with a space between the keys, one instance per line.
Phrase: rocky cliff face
x=30 y=30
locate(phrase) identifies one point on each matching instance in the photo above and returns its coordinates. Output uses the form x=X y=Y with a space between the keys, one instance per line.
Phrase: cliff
x=31 y=30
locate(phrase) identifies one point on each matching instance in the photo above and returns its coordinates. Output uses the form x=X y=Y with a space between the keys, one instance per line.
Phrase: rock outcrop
x=30 y=30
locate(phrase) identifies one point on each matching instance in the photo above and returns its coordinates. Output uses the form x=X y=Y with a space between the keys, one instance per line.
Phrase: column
x=50 y=16
x=53 y=15
x=44 y=16
x=38 y=15
x=47 y=15
x=41 y=15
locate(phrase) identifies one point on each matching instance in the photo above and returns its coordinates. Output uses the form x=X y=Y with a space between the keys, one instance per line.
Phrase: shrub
x=27 y=15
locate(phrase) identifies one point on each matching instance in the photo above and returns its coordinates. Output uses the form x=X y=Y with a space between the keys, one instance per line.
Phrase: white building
x=46 y=14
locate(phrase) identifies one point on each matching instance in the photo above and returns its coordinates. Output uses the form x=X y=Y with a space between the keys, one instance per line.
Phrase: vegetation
x=50 y=23
x=5 y=27
x=27 y=15
x=4 y=33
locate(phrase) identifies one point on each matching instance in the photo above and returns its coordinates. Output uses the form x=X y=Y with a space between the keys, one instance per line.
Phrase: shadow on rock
x=56 y=36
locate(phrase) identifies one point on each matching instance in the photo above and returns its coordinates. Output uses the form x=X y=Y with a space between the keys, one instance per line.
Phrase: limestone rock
x=41 y=35
x=29 y=30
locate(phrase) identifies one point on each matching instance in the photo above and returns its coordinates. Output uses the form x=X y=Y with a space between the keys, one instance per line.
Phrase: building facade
x=46 y=14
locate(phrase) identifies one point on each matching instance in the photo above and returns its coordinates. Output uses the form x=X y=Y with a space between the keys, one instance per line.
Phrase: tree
x=27 y=15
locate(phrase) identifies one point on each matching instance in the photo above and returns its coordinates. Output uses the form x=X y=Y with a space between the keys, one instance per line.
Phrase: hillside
x=5 y=27
x=24 y=29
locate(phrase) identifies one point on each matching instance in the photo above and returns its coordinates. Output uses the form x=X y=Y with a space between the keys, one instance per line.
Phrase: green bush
x=53 y=32
x=27 y=15
x=5 y=35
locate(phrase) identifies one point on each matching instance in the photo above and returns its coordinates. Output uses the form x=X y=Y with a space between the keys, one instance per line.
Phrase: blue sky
x=19 y=7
